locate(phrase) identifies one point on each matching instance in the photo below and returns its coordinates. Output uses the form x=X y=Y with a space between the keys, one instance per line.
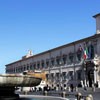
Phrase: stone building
x=76 y=63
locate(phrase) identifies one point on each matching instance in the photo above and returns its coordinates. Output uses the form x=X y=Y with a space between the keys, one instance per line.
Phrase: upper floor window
x=38 y=65
x=24 y=68
x=52 y=62
x=47 y=63
x=71 y=57
x=27 y=67
x=64 y=59
x=42 y=64
x=79 y=53
x=58 y=61
x=34 y=66
x=30 y=66
x=91 y=51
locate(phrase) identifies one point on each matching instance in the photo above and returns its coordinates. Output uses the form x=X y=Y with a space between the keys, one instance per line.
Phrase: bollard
x=90 y=96
x=79 y=95
x=64 y=94
x=76 y=89
x=93 y=88
x=45 y=93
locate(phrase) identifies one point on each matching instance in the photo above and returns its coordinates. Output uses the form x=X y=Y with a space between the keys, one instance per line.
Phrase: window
x=27 y=67
x=57 y=76
x=52 y=62
x=71 y=56
x=42 y=64
x=47 y=63
x=52 y=76
x=71 y=75
x=30 y=66
x=38 y=65
x=79 y=53
x=64 y=75
x=24 y=68
x=79 y=74
x=64 y=59
x=58 y=61
x=34 y=66
x=91 y=51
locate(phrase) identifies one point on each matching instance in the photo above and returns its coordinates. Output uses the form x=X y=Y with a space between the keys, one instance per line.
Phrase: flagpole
x=74 y=65
x=84 y=74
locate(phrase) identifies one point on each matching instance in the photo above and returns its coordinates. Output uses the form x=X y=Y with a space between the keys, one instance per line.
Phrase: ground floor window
x=79 y=72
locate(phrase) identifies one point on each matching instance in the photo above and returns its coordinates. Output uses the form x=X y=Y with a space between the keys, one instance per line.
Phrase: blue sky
x=41 y=25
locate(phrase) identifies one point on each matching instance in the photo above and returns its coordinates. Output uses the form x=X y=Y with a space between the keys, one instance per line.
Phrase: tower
x=97 y=17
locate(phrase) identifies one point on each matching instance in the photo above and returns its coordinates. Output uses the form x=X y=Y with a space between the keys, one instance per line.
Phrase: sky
x=40 y=25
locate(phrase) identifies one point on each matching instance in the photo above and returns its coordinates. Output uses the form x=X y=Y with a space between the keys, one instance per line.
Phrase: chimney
x=97 y=17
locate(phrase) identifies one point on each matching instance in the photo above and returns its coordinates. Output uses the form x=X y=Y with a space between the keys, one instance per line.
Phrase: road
x=95 y=94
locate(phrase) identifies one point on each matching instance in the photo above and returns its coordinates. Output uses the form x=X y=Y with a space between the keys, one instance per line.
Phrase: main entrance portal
x=90 y=73
x=90 y=77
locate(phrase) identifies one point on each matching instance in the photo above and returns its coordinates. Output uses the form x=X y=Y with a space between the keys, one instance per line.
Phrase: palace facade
x=76 y=63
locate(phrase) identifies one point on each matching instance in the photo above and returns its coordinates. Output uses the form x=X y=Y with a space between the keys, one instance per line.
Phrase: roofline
x=75 y=42
x=96 y=15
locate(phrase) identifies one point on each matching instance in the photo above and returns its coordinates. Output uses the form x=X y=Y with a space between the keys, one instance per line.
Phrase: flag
x=85 y=56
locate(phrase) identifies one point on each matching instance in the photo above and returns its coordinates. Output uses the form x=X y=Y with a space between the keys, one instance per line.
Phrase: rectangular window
x=64 y=75
x=47 y=64
x=79 y=74
x=71 y=75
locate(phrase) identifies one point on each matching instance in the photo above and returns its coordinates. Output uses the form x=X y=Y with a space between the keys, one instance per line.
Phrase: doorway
x=90 y=76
